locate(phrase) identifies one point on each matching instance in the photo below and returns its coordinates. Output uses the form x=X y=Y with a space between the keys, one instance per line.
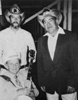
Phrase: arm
x=73 y=52
x=6 y=92
x=10 y=92
x=23 y=91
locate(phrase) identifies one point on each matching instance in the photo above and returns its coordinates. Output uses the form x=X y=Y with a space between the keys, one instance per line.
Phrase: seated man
x=13 y=83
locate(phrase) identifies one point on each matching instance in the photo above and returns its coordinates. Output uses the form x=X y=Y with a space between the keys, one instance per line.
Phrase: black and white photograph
x=38 y=49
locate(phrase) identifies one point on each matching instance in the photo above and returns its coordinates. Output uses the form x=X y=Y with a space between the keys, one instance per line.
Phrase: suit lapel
x=45 y=44
x=60 y=40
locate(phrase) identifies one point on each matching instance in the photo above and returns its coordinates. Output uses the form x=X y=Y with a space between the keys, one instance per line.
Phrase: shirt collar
x=60 y=31
x=7 y=73
x=13 y=30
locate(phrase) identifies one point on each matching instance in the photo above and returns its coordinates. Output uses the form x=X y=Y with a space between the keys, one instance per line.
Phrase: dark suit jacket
x=58 y=73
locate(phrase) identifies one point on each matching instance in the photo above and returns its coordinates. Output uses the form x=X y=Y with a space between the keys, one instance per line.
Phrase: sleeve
x=31 y=45
x=73 y=52
x=40 y=70
x=5 y=92
x=2 y=90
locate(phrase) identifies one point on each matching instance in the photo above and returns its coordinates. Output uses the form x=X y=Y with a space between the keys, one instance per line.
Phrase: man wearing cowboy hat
x=13 y=83
x=15 y=37
x=56 y=58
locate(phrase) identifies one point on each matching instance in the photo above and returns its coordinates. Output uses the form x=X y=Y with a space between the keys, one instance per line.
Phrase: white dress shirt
x=19 y=41
x=52 y=41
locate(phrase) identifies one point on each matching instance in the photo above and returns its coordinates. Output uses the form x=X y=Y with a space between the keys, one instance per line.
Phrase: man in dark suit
x=56 y=54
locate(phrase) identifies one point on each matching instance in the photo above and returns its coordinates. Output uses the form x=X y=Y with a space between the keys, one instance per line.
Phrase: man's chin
x=15 y=25
x=14 y=72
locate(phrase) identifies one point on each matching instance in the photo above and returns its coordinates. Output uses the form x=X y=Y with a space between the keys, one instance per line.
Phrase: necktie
x=17 y=81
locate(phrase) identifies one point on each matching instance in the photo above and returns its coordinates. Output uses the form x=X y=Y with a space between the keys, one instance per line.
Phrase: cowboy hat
x=10 y=55
x=14 y=10
x=48 y=12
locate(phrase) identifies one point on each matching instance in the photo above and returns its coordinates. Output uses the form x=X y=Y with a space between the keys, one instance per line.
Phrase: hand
x=27 y=83
x=43 y=88
x=27 y=91
x=70 y=89
x=34 y=92
x=23 y=91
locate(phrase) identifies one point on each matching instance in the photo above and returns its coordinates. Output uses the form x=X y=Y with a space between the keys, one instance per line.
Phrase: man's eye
x=44 y=22
x=51 y=20
x=11 y=64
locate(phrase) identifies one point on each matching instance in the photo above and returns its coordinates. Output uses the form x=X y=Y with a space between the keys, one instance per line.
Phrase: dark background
x=30 y=7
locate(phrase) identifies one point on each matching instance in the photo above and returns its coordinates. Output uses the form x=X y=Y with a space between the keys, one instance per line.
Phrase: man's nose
x=16 y=19
x=48 y=23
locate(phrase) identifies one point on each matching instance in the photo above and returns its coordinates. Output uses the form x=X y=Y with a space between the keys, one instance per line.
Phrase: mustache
x=15 y=22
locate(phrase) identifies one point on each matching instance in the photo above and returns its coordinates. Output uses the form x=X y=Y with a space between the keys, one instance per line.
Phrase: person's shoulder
x=67 y=32
x=4 y=31
x=25 y=32
x=23 y=70
x=42 y=38
x=70 y=34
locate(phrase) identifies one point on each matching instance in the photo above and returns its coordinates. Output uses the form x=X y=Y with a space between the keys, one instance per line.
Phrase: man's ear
x=58 y=21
